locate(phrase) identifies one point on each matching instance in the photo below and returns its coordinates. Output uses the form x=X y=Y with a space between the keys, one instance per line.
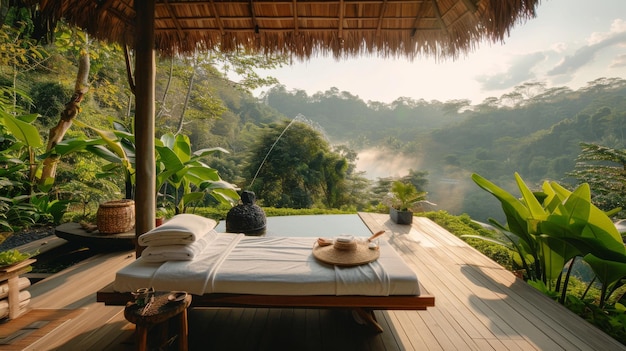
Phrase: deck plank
x=484 y=295
x=479 y=306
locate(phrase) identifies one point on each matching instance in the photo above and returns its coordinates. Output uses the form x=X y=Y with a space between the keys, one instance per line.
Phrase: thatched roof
x=304 y=28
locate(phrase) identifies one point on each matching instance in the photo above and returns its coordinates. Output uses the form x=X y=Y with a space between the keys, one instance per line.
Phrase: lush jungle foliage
x=292 y=165
x=533 y=130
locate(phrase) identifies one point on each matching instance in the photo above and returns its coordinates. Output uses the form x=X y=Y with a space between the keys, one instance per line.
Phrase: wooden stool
x=159 y=312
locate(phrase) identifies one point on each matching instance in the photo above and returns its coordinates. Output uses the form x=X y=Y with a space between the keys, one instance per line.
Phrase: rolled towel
x=22 y=283
x=182 y=229
x=24 y=300
x=176 y=252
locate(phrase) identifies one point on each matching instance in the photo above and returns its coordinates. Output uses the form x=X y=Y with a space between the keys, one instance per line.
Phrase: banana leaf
x=516 y=212
x=608 y=272
x=21 y=129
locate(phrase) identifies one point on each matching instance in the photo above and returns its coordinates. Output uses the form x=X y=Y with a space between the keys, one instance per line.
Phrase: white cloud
x=586 y=54
x=559 y=47
x=521 y=70
x=618 y=61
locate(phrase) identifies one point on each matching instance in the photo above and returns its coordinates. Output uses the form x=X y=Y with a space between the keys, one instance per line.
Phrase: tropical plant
x=23 y=201
x=190 y=179
x=182 y=178
x=12 y=257
x=550 y=228
x=405 y=197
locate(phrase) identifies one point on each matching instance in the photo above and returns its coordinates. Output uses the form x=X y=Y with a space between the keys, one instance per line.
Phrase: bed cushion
x=234 y=263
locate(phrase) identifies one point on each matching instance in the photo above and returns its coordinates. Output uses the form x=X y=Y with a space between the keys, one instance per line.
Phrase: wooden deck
x=479 y=306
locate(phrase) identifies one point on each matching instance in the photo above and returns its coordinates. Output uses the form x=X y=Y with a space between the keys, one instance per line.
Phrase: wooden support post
x=145 y=195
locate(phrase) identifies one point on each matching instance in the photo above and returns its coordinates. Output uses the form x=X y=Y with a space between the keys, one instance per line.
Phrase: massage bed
x=233 y=270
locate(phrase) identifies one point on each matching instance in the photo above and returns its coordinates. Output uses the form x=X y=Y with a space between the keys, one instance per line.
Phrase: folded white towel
x=182 y=229
x=177 y=252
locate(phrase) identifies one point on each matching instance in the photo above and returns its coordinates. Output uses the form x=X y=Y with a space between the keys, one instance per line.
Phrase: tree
x=604 y=169
x=292 y=166
x=72 y=108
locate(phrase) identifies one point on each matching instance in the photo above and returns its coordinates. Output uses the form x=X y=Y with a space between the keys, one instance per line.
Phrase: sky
x=570 y=43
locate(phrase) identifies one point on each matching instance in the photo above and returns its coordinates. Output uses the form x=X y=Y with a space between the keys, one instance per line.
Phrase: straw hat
x=345 y=251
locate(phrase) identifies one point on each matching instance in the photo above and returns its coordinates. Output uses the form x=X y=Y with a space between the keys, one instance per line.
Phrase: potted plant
x=12 y=257
x=160 y=215
x=403 y=200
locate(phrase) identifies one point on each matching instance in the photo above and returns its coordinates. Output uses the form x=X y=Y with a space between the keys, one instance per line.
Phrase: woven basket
x=116 y=216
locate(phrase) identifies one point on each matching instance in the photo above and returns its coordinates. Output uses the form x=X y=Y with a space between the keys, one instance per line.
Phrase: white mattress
x=234 y=263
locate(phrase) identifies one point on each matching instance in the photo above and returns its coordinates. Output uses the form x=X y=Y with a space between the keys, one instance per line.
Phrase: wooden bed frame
x=362 y=305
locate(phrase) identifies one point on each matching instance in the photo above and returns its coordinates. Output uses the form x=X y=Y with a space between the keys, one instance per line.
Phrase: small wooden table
x=74 y=233
x=159 y=312
x=11 y=274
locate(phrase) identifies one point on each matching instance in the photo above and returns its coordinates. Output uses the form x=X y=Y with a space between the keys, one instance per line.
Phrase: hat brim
x=362 y=255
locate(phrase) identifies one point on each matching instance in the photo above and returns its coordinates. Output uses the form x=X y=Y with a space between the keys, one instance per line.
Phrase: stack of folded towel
x=180 y=239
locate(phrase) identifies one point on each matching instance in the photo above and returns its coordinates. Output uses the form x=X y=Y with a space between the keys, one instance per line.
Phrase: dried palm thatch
x=303 y=28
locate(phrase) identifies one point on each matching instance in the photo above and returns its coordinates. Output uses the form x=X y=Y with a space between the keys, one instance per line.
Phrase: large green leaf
x=182 y=148
x=535 y=210
x=103 y=152
x=192 y=197
x=179 y=144
x=609 y=272
x=209 y=151
x=199 y=174
x=515 y=210
x=108 y=137
x=169 y=159
x=594 y=222
x=553 y=198
x=226 y=195
x=555 y=254
x=28 y=118
x=22 y=131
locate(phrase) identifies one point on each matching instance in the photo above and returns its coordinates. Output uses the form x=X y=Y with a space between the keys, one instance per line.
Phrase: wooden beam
x=145 y=66
x=439 y=17
x=179 y=29
x=217 y=17
x=255 y=23
x=381 y=16
x=470 y=6
x=295 y=16
x=418 y=18
x=341 y=13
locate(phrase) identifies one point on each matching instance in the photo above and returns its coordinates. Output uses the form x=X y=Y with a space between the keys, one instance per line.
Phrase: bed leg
x=368 y=317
